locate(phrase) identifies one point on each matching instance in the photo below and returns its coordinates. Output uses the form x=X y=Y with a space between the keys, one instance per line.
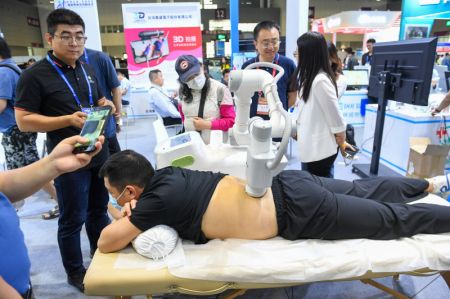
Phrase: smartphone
x=349 y=153
x=93 y=128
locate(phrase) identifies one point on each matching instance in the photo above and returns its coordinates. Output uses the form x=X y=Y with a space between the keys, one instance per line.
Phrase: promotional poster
x=156 y=35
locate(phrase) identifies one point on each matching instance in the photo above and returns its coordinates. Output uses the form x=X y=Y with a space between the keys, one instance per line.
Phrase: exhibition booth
x=381 y=25
x=223 y=158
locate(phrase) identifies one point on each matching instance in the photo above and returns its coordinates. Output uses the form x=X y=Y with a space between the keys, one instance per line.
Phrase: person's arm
x=292 y=98
x=444 y=104
x=113 y=84
x=292 y=94
x=7 y=291
x=20 y=183
x=162 y=103
x=35 y=122
x=227 y=112
x=125 y=89
x=117 y=100
x=327 y=100
x=117 y=235
x=115 y=213
x=3 y=104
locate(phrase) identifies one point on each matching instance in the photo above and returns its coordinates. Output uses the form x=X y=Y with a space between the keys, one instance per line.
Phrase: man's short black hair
x=371 y=40
x=225 y=71
x=62 y=16
x=267 y=25
x=153 y=74
x=5 y=52
x=127 y=168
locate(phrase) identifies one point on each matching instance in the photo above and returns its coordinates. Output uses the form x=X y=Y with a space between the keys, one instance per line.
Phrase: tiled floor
x=49 y=279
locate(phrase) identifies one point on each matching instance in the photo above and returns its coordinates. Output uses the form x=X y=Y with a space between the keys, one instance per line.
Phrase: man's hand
x=105 y=102
x=127 y=207
x=201 y=124
x=63 y=158
x=77 y=119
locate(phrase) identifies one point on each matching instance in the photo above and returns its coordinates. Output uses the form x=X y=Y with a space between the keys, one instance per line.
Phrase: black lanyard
x=61 y=74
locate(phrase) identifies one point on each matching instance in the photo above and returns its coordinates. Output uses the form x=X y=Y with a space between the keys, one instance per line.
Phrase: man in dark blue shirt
x=110 y=87
x=267 y=43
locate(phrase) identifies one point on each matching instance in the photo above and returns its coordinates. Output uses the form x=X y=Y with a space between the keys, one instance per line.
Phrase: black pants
x=323 y=168
x=321 y=208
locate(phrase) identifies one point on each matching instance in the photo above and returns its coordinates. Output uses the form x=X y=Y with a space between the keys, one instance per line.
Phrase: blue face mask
x=113 y=200
x=197 y=83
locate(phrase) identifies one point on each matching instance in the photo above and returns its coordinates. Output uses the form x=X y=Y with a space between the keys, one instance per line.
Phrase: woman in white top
x=336 y=66
x=320 y=125
x=217 y=111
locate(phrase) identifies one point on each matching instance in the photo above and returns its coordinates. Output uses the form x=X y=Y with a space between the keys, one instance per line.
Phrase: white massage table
x=239 y=265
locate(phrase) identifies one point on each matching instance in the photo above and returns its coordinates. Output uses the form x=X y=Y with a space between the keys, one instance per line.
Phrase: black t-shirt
x=41 y=90
x=178 y=198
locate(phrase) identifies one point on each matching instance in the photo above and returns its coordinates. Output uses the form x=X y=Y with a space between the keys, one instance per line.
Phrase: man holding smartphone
x=55 y=96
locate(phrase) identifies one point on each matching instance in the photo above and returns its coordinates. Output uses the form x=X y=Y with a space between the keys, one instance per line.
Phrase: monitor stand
x=375 y=169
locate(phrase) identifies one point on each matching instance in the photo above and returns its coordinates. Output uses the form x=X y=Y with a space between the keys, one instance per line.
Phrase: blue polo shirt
x=283 y=84
x=106 y=78
x=8 y=82
x=14 y=260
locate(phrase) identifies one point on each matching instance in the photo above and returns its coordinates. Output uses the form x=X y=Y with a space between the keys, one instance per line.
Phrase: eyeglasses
x=68 y=39
x=274 y=43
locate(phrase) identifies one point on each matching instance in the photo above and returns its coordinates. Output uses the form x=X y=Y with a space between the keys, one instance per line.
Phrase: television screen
x=357 y=78
x=414 y=60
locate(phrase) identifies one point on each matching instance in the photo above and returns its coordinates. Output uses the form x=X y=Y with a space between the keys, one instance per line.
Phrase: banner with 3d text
x=156 y=35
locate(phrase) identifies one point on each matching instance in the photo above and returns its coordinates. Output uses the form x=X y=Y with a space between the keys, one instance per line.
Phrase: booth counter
x=351 y=105
x=400 y=124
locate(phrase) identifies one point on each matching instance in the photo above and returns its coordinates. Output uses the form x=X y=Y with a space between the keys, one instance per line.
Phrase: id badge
x=263 y=107
x=86 y=110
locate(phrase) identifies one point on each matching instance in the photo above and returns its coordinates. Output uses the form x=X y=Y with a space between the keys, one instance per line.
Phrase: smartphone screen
x=93 y=128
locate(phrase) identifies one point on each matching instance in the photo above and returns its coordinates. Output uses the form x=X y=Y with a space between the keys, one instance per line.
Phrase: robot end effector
x=262 y=162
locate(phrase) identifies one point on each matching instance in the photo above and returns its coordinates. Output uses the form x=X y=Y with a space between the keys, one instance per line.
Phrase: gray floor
x=49 y=279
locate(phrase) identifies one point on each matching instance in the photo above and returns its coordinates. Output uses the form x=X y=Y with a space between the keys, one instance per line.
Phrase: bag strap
x=11 y=67
x=201 y=107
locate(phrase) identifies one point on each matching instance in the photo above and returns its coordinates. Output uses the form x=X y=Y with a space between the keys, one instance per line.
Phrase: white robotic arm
x=262 y=162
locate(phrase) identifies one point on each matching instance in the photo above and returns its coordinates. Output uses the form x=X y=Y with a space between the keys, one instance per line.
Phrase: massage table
x=222 y=265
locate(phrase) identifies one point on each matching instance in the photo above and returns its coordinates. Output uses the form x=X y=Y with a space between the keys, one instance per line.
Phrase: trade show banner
x=418 y=17
x=87 y=9
x=156 y=35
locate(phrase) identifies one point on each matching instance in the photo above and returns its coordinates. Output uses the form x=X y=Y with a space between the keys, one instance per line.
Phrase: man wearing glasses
x=55 y=96
x=267 y=43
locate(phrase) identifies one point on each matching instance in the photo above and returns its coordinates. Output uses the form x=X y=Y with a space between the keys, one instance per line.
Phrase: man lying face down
x=202 y=206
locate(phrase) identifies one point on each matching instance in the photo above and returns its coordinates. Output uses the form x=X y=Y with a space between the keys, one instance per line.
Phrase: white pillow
x=156 y=242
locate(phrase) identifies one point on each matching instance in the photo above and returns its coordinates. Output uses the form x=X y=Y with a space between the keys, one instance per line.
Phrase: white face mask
x=197 y=83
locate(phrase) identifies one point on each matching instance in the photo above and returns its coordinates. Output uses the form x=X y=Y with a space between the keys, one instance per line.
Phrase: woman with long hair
x=206 y=104
x=320 y=125
x=336 y=66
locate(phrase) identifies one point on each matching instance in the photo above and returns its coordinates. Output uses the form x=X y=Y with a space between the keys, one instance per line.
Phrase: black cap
x=186 y=66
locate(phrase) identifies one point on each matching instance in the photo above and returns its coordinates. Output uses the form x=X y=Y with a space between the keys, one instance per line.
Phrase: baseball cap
x=186 y=66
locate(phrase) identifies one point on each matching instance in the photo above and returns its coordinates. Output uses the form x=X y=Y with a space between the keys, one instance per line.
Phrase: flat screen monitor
x=357 y=78
x=414 y=60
